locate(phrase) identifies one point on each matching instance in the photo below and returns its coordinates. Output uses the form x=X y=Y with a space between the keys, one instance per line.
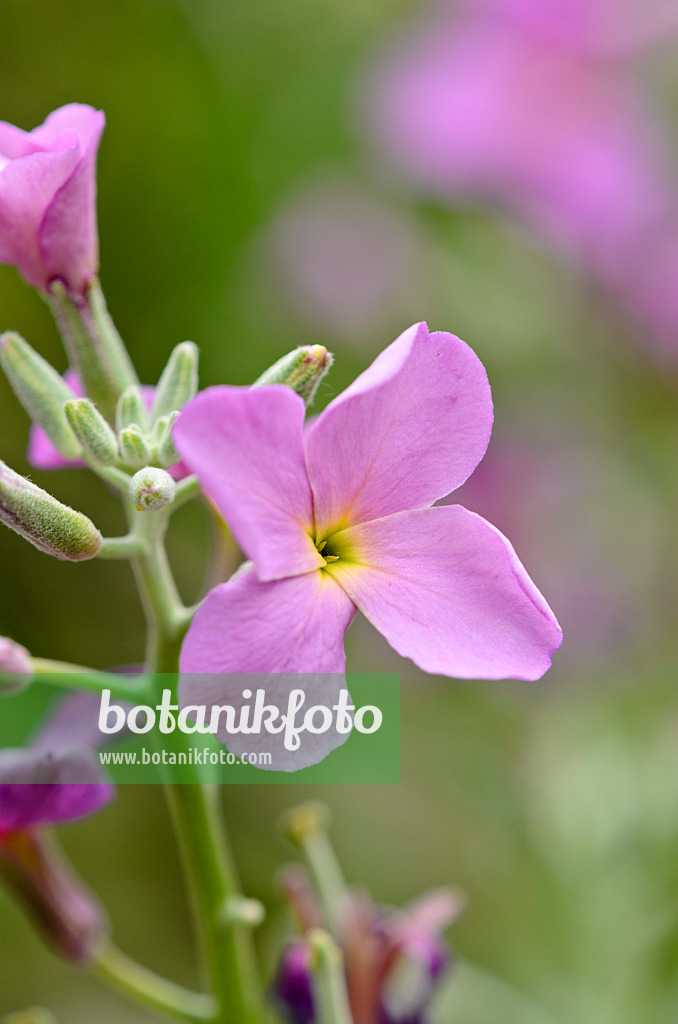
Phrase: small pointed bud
x=131 y=410
x=308 y=819
x=93 y=344
x=178 y=382
x=67 y=915
x=92 y=431
x=302 y=370
x=41 y=391
x=50 y=526
x=16 y=670
x=151 y=489
x=135 y=450
x=166 y=453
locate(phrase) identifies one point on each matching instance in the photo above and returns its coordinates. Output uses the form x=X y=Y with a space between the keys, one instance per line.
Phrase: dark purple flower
x=394 y=959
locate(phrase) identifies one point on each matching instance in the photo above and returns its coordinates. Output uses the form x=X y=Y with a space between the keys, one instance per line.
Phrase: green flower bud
x=41 y=391
x=151 y=489
x=131 y=410
x=302 y=370
x=166 y=453
x=179 y=380
x=92 y=430
x=135 y=450
x=50 y=526
x=16 y=670
x=94 y=346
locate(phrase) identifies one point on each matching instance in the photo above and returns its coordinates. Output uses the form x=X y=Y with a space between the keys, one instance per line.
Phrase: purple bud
x=292 y=992
x=67 y=914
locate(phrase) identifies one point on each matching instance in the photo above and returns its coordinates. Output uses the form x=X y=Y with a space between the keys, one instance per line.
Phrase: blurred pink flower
x=344 y=260
x=48 y=197
x=339 y=517
x=535 y=106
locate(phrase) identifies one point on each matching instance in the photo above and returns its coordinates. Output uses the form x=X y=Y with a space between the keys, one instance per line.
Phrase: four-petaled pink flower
x=339 y=517
x=48 y=224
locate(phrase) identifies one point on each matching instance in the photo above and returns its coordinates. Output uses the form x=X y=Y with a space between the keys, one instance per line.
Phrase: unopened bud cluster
x=79 y=427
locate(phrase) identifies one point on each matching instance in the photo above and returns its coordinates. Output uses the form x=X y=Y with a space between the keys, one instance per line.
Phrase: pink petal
x=240 y=689
x=246 y=448
x=68 y=233
x=292 y=625
x=448 y=591
x=409 y=430
x=27 y=186
x=85 y=121
x=15 y=143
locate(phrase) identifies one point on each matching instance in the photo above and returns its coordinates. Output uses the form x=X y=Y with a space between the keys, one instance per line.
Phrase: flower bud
x=134 y=448
x=166 y=453
x=50 y=526
x=41 y=391
x=178 y=382
x=305 y=820
x=151 y=489
x=67 y=914
x=94 y=347
x=16 y=670
x=131 y=409
x=302 y=370
x=92 y=430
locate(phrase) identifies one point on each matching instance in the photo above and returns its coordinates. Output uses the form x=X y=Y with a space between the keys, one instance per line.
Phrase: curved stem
x=75 y=677
x=151 y=990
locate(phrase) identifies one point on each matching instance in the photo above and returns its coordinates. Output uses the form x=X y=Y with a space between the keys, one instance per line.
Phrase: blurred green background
x=239 y=206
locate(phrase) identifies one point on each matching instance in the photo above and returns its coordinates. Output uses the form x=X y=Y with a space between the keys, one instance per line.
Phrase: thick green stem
x=147 y=988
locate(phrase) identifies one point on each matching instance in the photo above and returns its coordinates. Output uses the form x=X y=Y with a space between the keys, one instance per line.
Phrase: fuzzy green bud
x=166 y=453
x=92 y=430
x=151 y=489
x=131 y=410
x=178 y=382
x=41 y=391
x=94 y=346
x=50 y=526
x=16 y=670
x=135 y=450
x=302 y=370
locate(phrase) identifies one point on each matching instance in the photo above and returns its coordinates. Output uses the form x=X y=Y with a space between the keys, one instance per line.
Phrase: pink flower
x=48 y=197
x=513 y=104
x=535 y=106
x=339 y=517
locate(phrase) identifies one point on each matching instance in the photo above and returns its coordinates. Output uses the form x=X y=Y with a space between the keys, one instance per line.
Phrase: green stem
x=126 y=547
x=187 y=488
x=195 y=811
x=329 y=983
x=149 y=989
x=75 y=677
